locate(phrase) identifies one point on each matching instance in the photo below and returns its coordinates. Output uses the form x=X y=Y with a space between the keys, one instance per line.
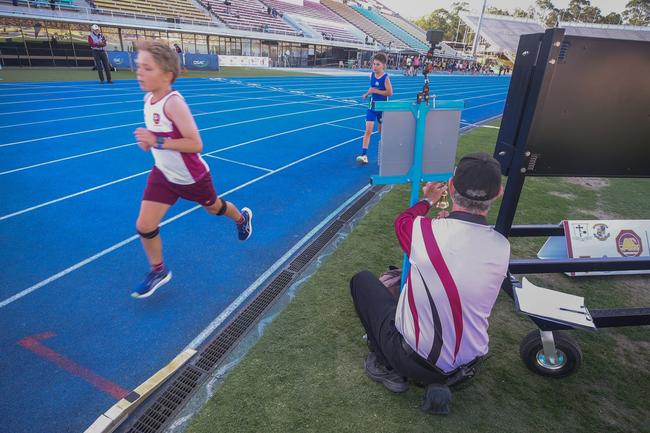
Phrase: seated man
x=439 y=324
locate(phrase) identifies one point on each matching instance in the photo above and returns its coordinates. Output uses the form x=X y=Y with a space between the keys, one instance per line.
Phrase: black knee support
x=224 y=206
x=151 y=234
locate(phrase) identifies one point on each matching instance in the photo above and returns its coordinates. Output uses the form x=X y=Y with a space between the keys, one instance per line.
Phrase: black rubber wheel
x=569 y=354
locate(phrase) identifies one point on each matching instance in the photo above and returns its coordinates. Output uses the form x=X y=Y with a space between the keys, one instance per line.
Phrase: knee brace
x=151 y=234
x=224 y=206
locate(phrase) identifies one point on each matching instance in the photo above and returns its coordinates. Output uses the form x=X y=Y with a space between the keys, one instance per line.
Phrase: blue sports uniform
x=379 y=84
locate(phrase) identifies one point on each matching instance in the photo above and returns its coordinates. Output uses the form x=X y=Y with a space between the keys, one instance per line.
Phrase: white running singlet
x=178 y=167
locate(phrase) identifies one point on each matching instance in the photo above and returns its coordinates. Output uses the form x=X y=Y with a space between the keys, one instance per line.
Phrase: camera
x=434 y=37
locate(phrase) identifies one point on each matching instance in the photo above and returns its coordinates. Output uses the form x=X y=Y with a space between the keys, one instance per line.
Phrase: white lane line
x=186 y=95
x=123 y=179
x=484 y=105
x=28 y=167
x=240 y=163
x=68 y=134
x=193 y=104
x=477 y=125
x=340 y=126
x=53 y=161
x=110 y=95
x=102 y=91
x=120 y=244
x=225 y=314
x=69 y=196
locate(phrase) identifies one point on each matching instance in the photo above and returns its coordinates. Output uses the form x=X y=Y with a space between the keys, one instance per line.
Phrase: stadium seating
x=249 y=15
x=502 y=33
x=367 y=26
x=608 y=31
x=182 y=10
x=407 y=26
x=381 y=21
x=317 y=17
x=58 y=4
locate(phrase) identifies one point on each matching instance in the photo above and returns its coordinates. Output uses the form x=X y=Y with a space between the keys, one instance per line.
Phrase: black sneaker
x=389 y=378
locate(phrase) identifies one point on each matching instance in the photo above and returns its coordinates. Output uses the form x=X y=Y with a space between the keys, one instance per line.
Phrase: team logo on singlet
x=156 y=118
x=628 y=244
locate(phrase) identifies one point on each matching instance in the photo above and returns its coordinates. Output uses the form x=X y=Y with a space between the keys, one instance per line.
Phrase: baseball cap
x=94 y=27
x=478 y=177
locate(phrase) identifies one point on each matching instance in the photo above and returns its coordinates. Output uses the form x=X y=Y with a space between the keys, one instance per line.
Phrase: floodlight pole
x=477 y=36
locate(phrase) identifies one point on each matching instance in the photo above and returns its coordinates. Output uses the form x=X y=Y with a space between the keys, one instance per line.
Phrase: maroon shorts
x=160 y=190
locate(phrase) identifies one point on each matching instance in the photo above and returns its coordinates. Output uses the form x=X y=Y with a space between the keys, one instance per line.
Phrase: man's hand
x=145 y=138
x=433 y=190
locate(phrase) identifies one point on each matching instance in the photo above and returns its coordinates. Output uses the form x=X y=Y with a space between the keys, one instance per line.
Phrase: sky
x=418 y=8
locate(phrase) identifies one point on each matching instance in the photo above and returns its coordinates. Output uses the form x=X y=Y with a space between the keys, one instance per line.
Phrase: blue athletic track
x=72 y=340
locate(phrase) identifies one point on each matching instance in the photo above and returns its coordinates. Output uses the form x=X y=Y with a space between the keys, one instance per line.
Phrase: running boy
x=380 y=89
x=173 y=138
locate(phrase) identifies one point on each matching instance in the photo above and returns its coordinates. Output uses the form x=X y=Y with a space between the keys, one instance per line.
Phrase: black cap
x=478 y=177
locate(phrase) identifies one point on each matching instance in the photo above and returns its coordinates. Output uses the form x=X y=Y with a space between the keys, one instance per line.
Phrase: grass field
x=81 y=74
x=306 y=373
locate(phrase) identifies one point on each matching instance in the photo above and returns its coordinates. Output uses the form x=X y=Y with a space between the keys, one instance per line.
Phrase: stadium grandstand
x=500 y=34
x=299 y=33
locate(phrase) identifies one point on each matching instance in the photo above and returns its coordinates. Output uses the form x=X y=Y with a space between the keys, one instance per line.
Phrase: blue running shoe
x=151 y=283
x=245 y=229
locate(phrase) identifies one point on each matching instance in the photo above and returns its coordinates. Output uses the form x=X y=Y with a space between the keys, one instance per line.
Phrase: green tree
x=611 y=18
x=637 y=12
x=496 y=11
x=548 y=14
x=521 y=13
x=443 y=19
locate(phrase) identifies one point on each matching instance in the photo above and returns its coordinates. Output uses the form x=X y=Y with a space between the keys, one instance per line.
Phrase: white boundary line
x=126 y=241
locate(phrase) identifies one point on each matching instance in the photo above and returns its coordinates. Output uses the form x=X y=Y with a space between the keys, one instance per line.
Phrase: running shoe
x=245 y=229
x=362 y=159
x=151 y=283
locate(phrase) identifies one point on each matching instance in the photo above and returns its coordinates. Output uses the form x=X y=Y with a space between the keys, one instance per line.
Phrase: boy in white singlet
x=172 y=136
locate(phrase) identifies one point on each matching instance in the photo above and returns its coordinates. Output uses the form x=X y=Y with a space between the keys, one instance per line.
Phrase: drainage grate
x=231 y=333
x=168 y=402
x=315 y=246
x=359 y=204
x=178 y=392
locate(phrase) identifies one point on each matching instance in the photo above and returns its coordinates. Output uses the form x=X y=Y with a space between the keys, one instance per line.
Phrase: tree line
x=636 y=13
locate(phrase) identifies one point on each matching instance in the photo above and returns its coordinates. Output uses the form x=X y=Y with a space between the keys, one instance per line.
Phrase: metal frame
x=527 y=86
x=414 y=176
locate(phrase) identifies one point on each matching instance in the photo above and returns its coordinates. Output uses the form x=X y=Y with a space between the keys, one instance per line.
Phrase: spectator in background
x=209 y=7
x=228 y=3
x=178 y=49
x=53 y=4
x=97 y=43
x=268 y=10
x=14 y=2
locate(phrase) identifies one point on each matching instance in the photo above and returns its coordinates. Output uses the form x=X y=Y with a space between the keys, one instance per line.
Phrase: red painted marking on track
x=33 y=343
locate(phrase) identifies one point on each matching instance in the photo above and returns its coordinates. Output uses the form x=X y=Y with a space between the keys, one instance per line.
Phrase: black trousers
x=101 y=61
x=376 y=309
